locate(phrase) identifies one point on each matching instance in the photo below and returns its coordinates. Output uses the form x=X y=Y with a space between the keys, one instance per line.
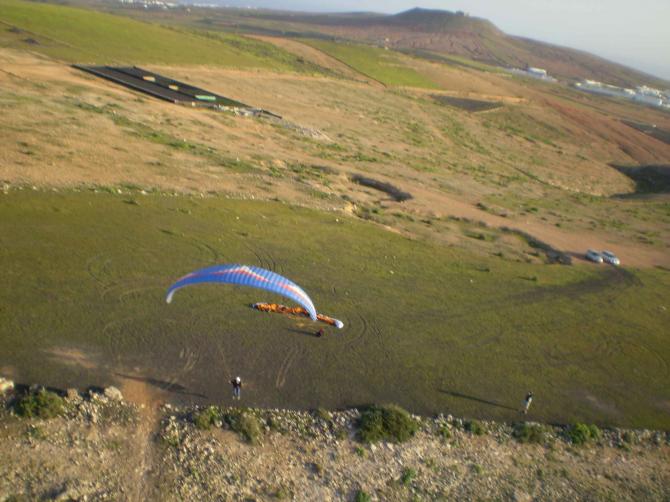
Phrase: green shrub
x=204 y=419
x=245 y=424
x=628 y=437
x=529 y=433
x=444 y=432
x=389 y=423
x=477 y=469
x=282 y=493
x=42 y=404
x=408 y=474
x=582 y=433
x=361 y=496
x=475 y=427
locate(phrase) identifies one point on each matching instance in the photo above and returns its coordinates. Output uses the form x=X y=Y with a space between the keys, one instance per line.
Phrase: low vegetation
x=475 y=427
x=82 y=35
x=205 y=419
x=362 y=496
x=386 y=423
x=245 y=424
x=241 y=421
x=388 y=67
x=469 y=105
x=43 y=404
x=580 y=433
x=407 y=476
x=525 y=432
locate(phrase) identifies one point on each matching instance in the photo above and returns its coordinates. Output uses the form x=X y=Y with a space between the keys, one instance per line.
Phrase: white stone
x=114 y=394
x=5 y=385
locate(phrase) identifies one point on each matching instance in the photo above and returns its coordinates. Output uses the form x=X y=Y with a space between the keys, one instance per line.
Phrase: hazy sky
x=635 y=33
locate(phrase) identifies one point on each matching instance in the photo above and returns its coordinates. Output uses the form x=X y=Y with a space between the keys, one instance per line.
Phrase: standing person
x=237 y=387
x=319 y=333
x=526 y=403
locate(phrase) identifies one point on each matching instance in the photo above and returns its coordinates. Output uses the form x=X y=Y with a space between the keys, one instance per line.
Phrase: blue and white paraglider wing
x=244 y=275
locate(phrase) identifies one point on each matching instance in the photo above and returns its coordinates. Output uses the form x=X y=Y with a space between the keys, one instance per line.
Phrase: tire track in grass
x=208 y=250
x=379 y=337
x=134 y=293
x=99 y=271
x=358 y=332
x=265 y=259
x=286 y=365
x=259 y=258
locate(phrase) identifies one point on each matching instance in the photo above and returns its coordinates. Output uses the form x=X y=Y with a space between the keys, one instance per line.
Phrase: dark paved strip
x=159 y=86
x=470 y=105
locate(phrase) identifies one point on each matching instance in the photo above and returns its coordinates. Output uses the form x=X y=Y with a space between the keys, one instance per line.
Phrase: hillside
x=439 y=207
x=442 y=32
x=432 y=206
x=86 y=36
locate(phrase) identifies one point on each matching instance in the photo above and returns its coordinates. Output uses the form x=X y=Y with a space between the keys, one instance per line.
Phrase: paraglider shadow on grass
x=477 y=399
x=163 y=385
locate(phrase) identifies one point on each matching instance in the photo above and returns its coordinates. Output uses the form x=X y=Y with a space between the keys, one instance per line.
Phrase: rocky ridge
x=104 y=448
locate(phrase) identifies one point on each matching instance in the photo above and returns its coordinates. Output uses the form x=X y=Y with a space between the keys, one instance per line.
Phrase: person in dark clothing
x=237 y=387
x=319 y=333
x=526 y=403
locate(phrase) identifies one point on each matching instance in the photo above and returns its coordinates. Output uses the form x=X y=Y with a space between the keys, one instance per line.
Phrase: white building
x=641 y=94
x=648 y=100
x=530 y=71
x=538 y=72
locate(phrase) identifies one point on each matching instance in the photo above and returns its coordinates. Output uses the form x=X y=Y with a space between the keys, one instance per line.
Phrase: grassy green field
x=388 y=67
x=433 y=329
x=84 y=36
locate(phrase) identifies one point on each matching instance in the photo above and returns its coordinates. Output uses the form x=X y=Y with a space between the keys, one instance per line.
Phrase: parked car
x=594 y=256
x=610 y=258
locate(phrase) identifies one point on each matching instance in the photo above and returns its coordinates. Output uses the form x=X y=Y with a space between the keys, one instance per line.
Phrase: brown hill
x=448 y=32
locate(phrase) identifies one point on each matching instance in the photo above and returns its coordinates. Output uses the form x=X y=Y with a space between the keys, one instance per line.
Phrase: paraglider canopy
x=244 y=275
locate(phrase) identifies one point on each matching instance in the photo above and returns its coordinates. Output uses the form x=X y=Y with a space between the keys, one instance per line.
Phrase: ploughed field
x=431 y=328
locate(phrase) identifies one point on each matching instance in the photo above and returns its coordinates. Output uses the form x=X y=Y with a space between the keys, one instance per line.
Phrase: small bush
x=42 y=404
x=529 y=433
x=282 y=493
x=444 y=432
x=408 y=474
x=361 y=496
x=389 y=423
x=245 y=424
x=475 y=427
x=206 y=418
x=324 y=415
x=582 y=433
x=628 y=437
